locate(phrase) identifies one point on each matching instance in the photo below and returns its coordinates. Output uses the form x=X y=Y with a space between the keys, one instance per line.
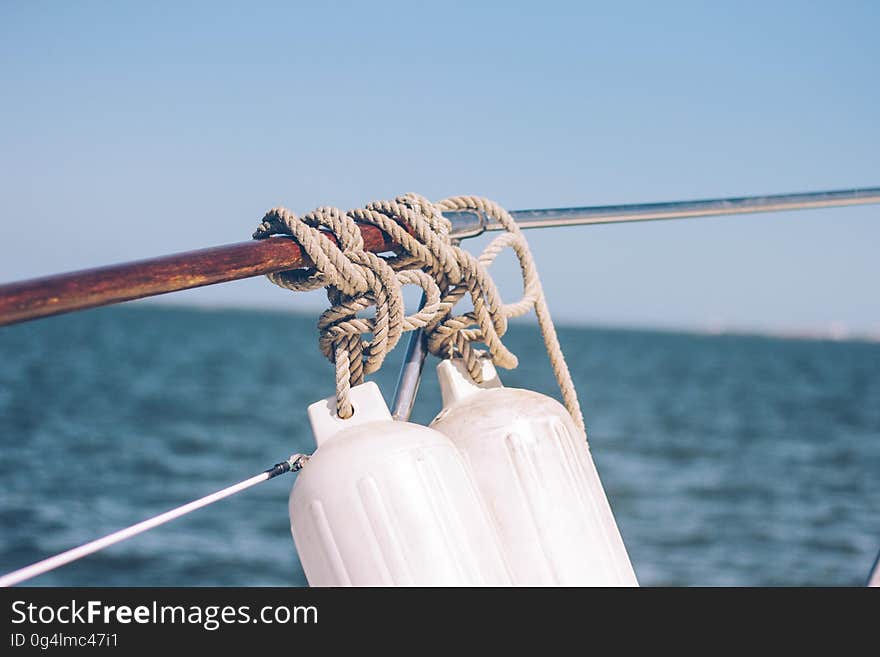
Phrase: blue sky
x=130 y=130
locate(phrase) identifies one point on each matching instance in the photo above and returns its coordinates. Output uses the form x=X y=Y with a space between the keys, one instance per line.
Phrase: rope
x=293 y=464
x=356 y=280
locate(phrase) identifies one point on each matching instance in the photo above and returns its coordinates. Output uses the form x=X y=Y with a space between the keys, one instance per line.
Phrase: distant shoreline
x=834 y=333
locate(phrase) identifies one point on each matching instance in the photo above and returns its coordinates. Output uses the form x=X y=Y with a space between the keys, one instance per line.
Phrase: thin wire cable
x=44 y=566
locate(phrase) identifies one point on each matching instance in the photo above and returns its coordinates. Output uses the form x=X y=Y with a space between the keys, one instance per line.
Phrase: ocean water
x=728 y=460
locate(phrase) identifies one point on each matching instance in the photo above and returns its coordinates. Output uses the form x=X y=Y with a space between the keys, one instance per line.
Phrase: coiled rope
x=357 y=279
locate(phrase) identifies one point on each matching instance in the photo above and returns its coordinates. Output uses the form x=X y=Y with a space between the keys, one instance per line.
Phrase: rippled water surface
x=727 y=460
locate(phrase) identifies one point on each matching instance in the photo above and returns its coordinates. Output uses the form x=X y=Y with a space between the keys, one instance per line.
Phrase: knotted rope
x=357 y=279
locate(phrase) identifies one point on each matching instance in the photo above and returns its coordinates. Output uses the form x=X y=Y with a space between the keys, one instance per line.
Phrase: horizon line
x=834 y=332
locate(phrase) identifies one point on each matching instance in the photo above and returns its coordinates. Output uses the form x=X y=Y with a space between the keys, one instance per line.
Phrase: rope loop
x=357 y=280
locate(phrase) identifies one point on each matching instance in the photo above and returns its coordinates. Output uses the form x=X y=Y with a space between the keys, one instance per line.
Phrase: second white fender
x=535 y=473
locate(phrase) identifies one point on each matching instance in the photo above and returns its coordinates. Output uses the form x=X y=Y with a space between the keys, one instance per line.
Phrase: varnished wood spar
x=88 y=288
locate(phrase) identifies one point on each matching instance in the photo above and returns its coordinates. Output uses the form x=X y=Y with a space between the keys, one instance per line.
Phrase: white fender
x=389 y=503
x=533 y=468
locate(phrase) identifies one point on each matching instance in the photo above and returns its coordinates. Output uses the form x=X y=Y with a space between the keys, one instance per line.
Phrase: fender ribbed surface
x=389 y=503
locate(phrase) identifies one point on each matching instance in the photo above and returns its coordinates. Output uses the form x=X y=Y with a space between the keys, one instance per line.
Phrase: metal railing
x=62 y=293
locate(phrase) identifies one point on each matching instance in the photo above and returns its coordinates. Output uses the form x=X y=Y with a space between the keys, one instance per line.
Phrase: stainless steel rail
x=470 y=224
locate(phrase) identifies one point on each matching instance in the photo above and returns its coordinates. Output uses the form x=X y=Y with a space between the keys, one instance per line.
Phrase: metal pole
x=471 y=224
x=616 y=214
x=874 y=577
x=410 y=374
